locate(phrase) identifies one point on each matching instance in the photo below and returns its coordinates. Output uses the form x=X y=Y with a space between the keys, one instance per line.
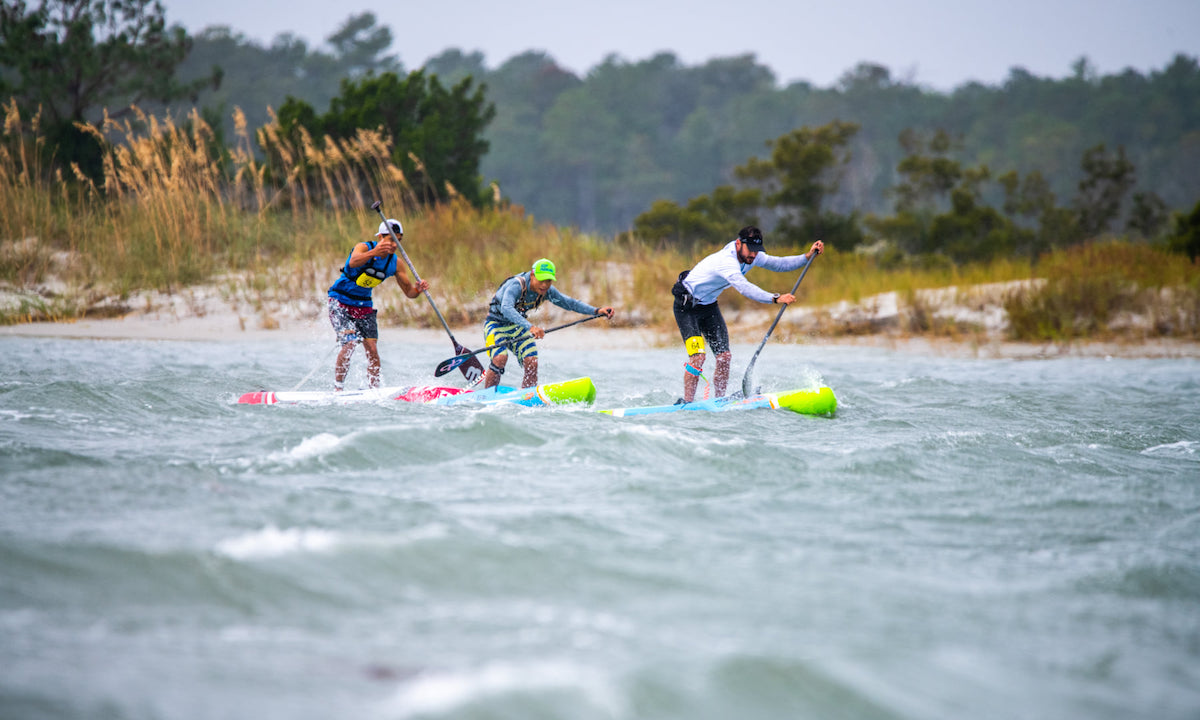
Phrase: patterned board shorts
x=523 y=345
x=352 y=324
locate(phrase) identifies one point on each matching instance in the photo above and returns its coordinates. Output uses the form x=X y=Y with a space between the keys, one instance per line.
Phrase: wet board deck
x=577 y=390
x=821 y=401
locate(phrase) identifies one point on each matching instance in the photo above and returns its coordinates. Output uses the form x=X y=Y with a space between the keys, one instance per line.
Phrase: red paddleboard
x=406 y=393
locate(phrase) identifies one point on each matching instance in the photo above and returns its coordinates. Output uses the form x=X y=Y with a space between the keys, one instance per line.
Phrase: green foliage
x=258 y=78
x=74 y=58
x=968 y=230
x=1108 y=177
x=596 y=150
x=359 y=46
x=793 y=185
x=437 y=132
x=803 y=172
x=943 y=207
x=1086 y=286
x=1148 y=216
x=705 y=220
x=927 y=173
x=971 y=231
x=1186 y=238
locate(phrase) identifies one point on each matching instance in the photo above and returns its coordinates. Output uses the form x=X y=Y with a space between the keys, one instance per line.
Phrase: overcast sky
x=935 y=43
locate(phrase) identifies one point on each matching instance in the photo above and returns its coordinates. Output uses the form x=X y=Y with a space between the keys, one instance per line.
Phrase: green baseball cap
x=544 y=270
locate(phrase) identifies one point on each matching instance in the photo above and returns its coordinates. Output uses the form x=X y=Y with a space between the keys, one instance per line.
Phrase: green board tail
x=806 y=402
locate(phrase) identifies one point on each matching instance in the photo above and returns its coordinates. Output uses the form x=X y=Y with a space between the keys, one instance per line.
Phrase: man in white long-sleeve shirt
x=696 y=310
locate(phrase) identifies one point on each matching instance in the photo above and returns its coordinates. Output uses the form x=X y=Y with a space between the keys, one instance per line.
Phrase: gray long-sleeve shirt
x=503 y=307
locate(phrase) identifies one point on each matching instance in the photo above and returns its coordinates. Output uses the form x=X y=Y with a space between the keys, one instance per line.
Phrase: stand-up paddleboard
x=407 y=393
x=578 y=390
x=806 y=402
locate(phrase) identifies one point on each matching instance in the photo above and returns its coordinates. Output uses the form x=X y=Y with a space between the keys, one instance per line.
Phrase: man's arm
x=738 y=282
x=361 y=255
x=567 y=302
x=788 y=262
x=410 y=288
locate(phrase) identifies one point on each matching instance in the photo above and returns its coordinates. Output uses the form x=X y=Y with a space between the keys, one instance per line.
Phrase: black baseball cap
x=751 y=237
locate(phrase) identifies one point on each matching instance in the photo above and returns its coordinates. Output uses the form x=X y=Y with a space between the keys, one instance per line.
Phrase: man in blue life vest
x=506 y=321
x=350 y=307
x=697 y=313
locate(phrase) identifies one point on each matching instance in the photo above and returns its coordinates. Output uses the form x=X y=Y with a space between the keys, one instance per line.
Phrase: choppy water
x=966 y=539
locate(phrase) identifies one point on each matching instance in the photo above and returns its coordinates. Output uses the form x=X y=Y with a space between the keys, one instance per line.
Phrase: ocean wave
x=272 y=542
x=1184 y=449
x=585 y=691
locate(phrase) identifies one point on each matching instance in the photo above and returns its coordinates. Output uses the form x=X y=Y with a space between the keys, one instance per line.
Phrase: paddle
x=747 y=390
x=447 y=365
x=471 y=369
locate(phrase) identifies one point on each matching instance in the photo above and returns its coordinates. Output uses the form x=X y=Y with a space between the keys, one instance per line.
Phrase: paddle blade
x=748 y=384
x=468 y=363
x=447 y=365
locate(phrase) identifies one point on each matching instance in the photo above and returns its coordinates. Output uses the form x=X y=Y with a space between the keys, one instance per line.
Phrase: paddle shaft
x=472 y=371
x=451 y=363
x=748 y=391
x=413 y=270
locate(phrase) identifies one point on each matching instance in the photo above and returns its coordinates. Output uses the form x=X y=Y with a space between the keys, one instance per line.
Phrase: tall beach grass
x=278 y=213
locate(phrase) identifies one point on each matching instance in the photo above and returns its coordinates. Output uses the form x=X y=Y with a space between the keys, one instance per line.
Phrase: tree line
x=669 y=150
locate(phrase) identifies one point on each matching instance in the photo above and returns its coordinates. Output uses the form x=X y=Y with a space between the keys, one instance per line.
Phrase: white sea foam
x=314 y=446
x=440 y=692
x=1182 y=448
x=272 y=542
x=310 y=447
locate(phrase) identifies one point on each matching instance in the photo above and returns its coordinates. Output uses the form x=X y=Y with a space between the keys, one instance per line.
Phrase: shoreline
x=229 y=325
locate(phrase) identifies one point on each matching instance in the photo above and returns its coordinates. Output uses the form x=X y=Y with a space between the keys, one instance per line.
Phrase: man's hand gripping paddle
x=471 y=369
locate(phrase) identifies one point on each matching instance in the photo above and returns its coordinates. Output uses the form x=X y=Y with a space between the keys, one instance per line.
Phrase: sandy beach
x=207 y=316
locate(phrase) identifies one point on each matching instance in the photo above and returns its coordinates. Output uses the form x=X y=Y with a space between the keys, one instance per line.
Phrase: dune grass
x=1089 y=288
x=174 y=210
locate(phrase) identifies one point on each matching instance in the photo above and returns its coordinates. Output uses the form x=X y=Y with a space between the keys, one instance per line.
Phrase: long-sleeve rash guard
x=510 y=292
x=722 y=269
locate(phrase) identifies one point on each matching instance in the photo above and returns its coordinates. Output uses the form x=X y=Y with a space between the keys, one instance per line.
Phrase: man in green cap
x=507 y=323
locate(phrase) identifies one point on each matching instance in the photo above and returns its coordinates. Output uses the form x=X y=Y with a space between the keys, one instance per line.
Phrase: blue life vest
x=349 y=289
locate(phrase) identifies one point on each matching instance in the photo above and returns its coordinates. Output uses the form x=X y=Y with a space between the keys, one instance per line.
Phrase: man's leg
x=347 y=335
x=342 y=365
x=721 y=374
x=370 y=345
x=491 y=377
x=717 y=335
x=688 y=319
x=530 y=378
x=690 y=379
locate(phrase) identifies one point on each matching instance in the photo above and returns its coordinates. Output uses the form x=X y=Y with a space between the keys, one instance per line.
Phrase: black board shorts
x=699 y=324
